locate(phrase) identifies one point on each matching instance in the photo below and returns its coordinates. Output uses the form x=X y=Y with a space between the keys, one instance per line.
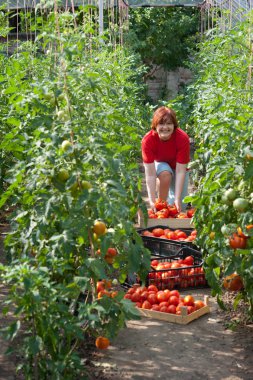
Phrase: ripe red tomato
x=147 y=233
x=161 y=297
x=189 y=260
x=144 y=295
x=154 y=263
x=100 y=286
x=155 y=307
x=157 y=232
x=182 y=215
x=173 y=210
x=163 y=309
x=175 y=265
x=164 y=303
x=167 y=293
x=181 y=235
x=152 y=288
x=175 y=293
x=112 y=251
x=152 y=216
x=164 y=213
x=190 y=238
x=198 y=304
x=191 y=212
x=171 y=235
x=160 y=204
x=152 y=298
x=189 y=300
x=190 y=309
x=172 y=309
x=146 y=305
x=236 y=241
x=180 y=305
x=136 y=297
x=173 y=300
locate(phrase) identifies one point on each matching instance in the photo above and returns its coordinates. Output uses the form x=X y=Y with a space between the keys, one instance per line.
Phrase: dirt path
x=149 y=349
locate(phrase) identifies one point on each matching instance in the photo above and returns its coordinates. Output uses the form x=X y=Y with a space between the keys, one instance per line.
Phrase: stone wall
x=166 y=84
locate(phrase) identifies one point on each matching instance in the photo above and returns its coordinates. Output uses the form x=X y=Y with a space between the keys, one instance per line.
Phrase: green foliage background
x=163 y=36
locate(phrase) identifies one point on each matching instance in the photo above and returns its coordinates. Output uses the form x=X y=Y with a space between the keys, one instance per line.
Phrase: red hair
x=164 y=115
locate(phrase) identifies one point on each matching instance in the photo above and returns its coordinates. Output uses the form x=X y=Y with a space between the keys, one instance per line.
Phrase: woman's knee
x=165 y=177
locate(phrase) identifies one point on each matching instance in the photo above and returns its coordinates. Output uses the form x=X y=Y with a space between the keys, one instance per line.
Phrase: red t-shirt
x=176 y=149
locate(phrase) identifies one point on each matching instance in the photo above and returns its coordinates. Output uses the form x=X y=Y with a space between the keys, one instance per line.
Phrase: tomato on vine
x=236 y=241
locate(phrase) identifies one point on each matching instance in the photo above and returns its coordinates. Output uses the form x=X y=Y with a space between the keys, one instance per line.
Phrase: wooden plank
x=167 y=222
x=182 y=319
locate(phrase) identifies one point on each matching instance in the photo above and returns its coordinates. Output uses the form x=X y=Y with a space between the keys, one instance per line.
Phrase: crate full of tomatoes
x=167 y=215
x=164 y=241
x=165 y=210
x=184 y=270
x=166 y=305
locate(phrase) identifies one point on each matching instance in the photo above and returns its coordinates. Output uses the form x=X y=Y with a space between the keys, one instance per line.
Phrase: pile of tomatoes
x=164 y=210
x=166 y=301
x=181 y=273
x=166 y=233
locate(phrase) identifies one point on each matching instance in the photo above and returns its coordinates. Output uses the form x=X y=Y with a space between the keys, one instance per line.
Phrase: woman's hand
x=152 y=206
x=178 y=205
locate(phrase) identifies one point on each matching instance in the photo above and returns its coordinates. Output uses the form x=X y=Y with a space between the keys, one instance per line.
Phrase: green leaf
x=12 y=330
x=130 y=310
x=249 y=171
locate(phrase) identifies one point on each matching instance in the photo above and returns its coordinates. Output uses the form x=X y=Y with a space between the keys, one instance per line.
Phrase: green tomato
x=228 y=229
x=49 y=96
x=61 y=97
x=63 y=175
x=225 y=200
x=63 y=115
x=230 y=194
x=86 y=185
x=241 y=204
x=66 y=146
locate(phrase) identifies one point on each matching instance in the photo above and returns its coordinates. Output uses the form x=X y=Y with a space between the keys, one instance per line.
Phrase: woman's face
x=165 y=130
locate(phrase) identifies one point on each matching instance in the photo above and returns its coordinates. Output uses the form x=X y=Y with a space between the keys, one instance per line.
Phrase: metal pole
x=101 y=15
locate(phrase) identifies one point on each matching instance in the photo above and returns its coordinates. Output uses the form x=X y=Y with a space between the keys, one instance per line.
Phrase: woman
x=165 y=154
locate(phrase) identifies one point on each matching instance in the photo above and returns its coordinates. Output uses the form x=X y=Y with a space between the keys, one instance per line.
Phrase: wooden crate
x=182 y=319
x=167 y=222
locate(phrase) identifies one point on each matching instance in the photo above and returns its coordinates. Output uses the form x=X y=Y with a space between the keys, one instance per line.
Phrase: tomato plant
x=222 y=170
x=72 y=180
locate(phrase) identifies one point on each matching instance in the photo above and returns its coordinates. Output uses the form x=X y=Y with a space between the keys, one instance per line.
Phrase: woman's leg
x=164 y=175
x=171 y=197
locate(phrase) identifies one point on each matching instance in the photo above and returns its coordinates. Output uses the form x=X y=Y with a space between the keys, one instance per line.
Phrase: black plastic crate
x=179 y=278
x=165 y=247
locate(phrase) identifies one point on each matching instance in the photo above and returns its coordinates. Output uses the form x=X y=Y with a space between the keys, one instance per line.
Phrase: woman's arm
x=150 y=176
x=180 y=178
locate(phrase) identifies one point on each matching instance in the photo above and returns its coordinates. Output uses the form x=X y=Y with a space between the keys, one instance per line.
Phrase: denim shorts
x=163 y=166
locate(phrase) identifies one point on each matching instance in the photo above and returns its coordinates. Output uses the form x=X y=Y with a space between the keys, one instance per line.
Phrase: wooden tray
x=168 y=222
x=182 y=319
